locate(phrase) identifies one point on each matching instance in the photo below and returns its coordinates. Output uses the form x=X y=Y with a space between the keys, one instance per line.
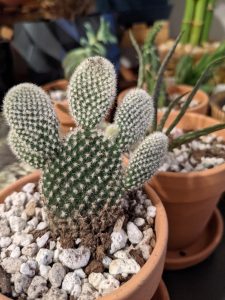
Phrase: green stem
x=168 y=111
x=159 y=79
x=208 y=20
x=192 y=93
x=190 y=136
x=140 y=59
x=198 y=22
x=187 y=20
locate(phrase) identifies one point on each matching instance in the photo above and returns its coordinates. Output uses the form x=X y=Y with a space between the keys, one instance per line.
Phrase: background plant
x=197 y=21
x=188 y=71
x=94 y=44
x=149 y=63
x=207 y=66
x=83 y=175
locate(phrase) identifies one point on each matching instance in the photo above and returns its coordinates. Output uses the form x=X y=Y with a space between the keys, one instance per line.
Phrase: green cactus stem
x=187 y=20
x=190 y=136
x=198 y=22
x=208 y=21
x=159 y=80
x=140 y=60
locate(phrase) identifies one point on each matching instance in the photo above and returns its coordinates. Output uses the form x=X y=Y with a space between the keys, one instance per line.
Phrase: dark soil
x=5 y=285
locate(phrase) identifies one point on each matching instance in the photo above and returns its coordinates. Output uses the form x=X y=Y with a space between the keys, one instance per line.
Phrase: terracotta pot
x=200 y=96
x=216 y=102
x=142 y=285
x=140 y=32
x=190 y=201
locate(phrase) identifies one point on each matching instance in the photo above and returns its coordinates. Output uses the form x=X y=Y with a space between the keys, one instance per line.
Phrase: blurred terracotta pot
x=190 y=201
x=217 y=102
x=61 y=107
x=200 y=96
x=144 y=284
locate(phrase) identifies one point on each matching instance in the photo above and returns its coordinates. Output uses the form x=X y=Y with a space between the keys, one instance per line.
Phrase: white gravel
x=196 y=155
x=41 y=269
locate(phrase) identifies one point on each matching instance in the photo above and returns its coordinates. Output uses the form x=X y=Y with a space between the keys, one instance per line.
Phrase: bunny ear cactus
x=83 y=174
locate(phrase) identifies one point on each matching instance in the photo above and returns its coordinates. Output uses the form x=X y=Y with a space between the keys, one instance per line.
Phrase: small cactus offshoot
x=83 y=173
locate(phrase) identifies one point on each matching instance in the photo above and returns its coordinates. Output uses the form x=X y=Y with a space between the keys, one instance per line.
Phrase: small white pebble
x=134 y=233
x=44 y=256
x=5 y=241
x=151 y=211
x=29 y=268
x=15 y=252
x=106 y=261
x=44 y=270
x=119 y=240
x=42 y=225
x=139 y=222
x=29 y=188
x=41 y=241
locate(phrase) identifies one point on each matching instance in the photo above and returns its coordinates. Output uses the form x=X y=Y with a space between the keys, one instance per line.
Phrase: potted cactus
x=79 y=232
x=149 y=64
x=195 y=162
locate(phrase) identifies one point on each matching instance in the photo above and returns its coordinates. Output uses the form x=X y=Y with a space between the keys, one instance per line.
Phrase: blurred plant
x=94 y=44
x=208 y=65
x=149 y=62
x=188 y=71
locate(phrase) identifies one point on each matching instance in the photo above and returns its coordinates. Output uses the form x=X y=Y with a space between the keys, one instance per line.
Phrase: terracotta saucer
x=161 y=293
x=201 y=249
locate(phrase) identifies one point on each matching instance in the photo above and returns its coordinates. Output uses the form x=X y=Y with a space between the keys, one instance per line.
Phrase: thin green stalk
x=198 y=22
x=159 y=79
x=192 y=94
x=208 y=20
x=168 y=111
x=190 y=136
x=187 y=20
x=140 y=59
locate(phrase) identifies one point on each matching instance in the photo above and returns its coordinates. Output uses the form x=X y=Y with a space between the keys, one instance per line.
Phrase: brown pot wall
x=142 y=285
x=200 y=96
x=189 y=198
x=216 y=103
x=61 y=107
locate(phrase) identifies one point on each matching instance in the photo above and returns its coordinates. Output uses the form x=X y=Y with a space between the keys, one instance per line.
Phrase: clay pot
x=216 y=102
x=144 y=284
x=190 y=201
x=200 y=96
x=140 y=32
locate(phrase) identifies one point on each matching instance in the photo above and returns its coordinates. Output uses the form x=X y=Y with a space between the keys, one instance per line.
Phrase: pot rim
x=55 y=84
x=199 y=95
x=161 y=228
x=195 y=174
